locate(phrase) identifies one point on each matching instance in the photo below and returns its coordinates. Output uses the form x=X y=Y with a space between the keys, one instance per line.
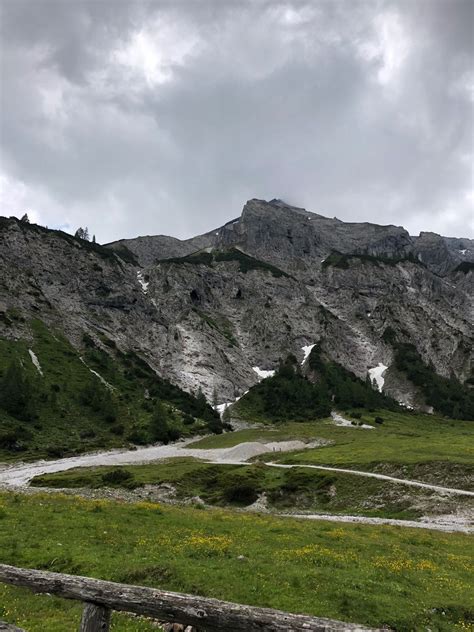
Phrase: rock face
x=264 y=285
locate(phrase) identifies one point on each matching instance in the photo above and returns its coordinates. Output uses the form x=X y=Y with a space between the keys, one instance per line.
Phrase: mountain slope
x=205 y=312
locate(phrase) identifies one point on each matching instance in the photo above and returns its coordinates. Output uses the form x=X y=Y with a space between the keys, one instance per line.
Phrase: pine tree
x=93 y=239
x=99 y=399
x=214 y=398
x=25 y=219
x=16 y=395
x=226 y=415
x=159 y=427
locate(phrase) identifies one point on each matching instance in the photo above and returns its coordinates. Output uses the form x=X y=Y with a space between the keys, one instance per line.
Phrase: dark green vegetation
x=407 y=579
x=344 y=388
x=220 y=324
x=289 y=395
x=447 y=396
x=106 y=253
x=70 y=409
x=465 y=267
x=344 y=261
x=246 y=262
x=294 y=490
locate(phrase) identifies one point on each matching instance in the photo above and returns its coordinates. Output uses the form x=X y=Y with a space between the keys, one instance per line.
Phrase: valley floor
x=305 y=517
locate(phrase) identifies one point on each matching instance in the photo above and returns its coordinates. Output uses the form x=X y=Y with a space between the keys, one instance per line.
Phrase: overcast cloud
x=164 y=117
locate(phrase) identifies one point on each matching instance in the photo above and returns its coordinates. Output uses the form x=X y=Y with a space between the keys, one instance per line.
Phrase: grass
x=406 y=579
x=233 y=255
x=403 y=438
x=295 y=490
x=344 y=261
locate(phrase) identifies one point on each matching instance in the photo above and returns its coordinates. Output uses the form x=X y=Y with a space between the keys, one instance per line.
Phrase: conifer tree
x=16 y=396
x=159 y=427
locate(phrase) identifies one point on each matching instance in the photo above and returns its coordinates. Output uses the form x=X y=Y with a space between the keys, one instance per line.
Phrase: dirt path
x=383 y=477
x=18 y=476
x=448 y=525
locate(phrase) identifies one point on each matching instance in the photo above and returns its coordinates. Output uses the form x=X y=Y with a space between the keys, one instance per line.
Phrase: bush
x=117 y=429
x=87 y=434
x=241 y=489
x=137 y=436
x=356 y=415
x=379 y=420
x=120 y=477
x=14 y=440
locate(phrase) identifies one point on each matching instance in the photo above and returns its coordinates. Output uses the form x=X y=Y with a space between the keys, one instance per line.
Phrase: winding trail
x=18 y=476
x=382 y=477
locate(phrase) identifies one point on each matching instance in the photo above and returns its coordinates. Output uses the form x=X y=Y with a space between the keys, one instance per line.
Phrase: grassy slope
x=65 y=426
x=286 y=490
x=408 y=579
x=403 y=438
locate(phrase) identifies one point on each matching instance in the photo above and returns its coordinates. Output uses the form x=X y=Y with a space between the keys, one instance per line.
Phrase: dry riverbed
x=17 y=477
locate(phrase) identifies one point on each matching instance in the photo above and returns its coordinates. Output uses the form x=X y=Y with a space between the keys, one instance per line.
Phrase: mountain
x=205 y=312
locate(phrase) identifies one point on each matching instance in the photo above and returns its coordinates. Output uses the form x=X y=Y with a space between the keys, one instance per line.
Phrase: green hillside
x=81 y=401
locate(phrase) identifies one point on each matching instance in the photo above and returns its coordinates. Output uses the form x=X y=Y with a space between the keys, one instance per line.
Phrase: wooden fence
x=209 y=615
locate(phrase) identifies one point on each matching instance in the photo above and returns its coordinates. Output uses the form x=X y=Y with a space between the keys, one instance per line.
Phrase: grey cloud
x=156 y=117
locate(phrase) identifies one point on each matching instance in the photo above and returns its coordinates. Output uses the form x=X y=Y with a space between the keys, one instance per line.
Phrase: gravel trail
x=382 y=477
x=18 y=476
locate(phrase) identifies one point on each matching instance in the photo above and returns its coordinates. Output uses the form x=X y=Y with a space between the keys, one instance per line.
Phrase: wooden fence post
x=95 y=618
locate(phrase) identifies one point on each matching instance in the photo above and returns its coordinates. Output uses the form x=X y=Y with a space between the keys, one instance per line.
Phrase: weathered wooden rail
x=209 y=615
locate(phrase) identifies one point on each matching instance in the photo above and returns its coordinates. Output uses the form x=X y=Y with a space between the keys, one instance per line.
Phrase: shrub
x=87 y=434
x=379 y=420
x=119 y=476
x=117 y=429
x=137 y=436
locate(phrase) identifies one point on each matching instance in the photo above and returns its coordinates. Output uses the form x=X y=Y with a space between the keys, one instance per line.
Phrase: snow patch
x=262 y=373
x=341 y=421
x=35 y=361
x=222 y=407
x=377 y=374
x=307 y=350
x=142 y=282
x=463 y=252
x=104 y=382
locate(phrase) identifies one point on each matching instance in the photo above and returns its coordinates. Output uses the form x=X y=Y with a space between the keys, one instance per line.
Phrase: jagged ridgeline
x=300 y=394
x=56 y=400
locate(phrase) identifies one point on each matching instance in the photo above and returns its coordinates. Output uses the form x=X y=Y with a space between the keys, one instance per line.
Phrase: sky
x=157 y=117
